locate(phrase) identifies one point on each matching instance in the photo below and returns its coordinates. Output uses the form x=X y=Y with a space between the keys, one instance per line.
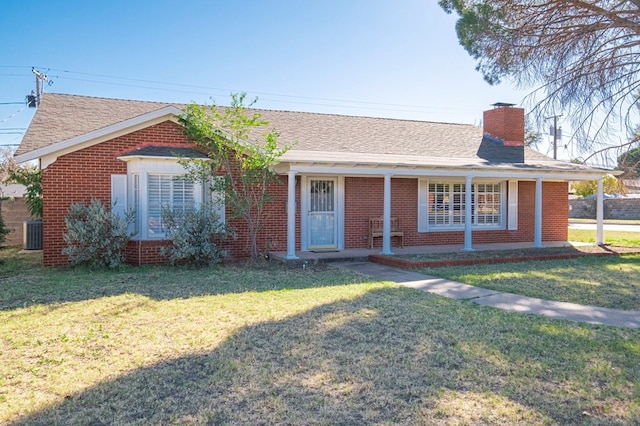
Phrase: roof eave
x=158 y=157
x=357 y=163
x=102 y=134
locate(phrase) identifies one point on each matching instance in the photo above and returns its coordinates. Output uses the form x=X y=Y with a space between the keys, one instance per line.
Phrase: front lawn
x=236 y=345
x=609 y=282
x=614 y=238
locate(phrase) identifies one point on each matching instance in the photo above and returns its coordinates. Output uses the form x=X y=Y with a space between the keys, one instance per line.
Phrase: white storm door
x=321 y=214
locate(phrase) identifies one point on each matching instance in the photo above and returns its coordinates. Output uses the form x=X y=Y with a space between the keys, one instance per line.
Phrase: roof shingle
x=60 y=117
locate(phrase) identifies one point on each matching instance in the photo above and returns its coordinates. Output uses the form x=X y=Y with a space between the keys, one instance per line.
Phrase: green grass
x=606 y=282
x=610 y=282
x=616 y=238
x=609 y=221
x=239 y=345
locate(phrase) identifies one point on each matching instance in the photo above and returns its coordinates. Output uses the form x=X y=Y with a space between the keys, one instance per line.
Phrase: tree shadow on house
x=391 y=356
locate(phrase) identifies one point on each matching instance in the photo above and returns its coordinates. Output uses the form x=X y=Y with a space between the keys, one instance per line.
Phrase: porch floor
x=362 y=254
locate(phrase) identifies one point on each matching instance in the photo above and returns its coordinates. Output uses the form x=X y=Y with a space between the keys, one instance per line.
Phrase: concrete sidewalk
x=497 y=299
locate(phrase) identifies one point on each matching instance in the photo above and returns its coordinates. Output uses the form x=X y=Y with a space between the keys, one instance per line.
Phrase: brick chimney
x=505 y=123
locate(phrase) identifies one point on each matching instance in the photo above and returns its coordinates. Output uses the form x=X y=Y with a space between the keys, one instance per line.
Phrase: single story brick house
x=342 y=171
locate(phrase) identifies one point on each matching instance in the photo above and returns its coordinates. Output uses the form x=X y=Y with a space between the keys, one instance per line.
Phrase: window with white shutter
x=441 y=205
x=119 y=195
x=166 y=191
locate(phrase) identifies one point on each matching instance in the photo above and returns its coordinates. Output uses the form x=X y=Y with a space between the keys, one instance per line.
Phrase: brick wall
x=14 y=213
x=273 y=228
x=614 y=208
x=86 y=174
x=555 y=209
x=505 y=123
x=363 y=199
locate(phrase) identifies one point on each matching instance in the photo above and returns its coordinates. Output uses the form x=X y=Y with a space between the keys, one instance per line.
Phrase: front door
x=321 y=216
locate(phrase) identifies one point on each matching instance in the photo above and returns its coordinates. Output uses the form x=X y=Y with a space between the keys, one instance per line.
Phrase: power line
x=272 y=100
x=290 y=99
x=13 y=115
x=226 y=91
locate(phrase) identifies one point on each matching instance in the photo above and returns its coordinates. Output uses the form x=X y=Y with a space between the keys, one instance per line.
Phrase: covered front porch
x=362 y=254
x=463 y=207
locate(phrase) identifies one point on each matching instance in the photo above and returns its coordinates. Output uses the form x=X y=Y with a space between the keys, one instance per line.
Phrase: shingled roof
x=61 y=117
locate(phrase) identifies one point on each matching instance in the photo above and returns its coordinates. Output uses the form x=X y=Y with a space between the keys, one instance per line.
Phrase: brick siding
x=363 y=199
x=85 y=174
x=75 y=178
x=506 y=124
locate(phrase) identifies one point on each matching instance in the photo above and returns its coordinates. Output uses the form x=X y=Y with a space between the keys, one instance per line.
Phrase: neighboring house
x=342 y=171
x=13 y=207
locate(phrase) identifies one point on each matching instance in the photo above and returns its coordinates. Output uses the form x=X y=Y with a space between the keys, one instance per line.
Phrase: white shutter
x=512 y=215
x=119 y=195
x=423 y=205
x=218 y=202
x=158 y=196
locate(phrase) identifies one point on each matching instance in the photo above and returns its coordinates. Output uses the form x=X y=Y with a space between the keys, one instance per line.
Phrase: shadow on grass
x=391 y=356
x=35 y=285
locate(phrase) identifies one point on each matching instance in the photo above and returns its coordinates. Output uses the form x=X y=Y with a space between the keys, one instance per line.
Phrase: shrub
x=193 y=235
x=95 y=236
x=32 y=179
x=611 y=185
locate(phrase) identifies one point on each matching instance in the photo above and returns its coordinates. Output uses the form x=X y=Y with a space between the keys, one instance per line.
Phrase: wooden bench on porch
x=376 y=229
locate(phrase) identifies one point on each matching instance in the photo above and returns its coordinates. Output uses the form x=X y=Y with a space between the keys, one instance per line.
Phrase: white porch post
x=600 y=213
x=291 y=215
x=468 y=206
x=537 y=238
x=386 y=217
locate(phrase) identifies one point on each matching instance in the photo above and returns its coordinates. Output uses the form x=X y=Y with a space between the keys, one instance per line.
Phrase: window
x=153 y=184
x=446 y=207
x=166 y=191
x=488 y=204
x=442 y=207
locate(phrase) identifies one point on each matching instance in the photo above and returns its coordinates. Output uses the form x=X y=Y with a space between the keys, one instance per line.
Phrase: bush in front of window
x=95 y=236
x=194 y=234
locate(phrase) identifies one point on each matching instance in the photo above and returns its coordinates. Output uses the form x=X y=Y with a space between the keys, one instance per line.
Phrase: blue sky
x=381 y=58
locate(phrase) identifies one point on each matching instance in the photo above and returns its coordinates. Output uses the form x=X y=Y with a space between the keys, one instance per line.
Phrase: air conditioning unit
x=32 y=235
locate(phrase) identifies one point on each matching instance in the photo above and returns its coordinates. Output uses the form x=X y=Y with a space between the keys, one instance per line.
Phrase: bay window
x=151 y=185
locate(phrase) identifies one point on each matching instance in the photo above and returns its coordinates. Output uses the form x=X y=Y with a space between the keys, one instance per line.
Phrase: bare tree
x=583 y=58
x=7 y=164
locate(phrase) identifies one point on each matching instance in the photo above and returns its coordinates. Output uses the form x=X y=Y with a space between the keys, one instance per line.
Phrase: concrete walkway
x=497 y=299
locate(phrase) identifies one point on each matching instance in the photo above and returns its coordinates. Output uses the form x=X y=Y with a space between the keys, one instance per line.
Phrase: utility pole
x=555 y=135
x=40 y=88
